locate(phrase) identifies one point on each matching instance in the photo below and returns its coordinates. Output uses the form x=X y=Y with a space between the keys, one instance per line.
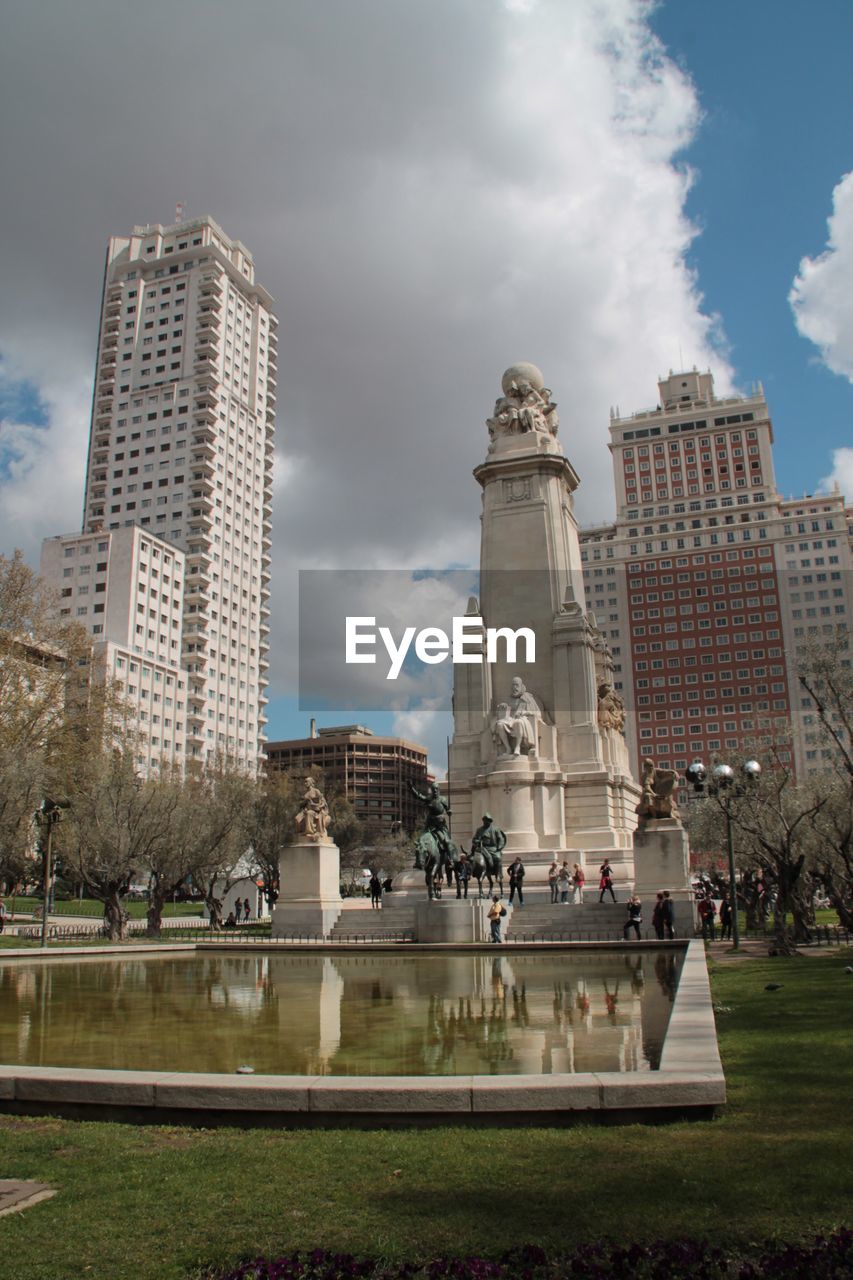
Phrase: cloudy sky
x=433 y=191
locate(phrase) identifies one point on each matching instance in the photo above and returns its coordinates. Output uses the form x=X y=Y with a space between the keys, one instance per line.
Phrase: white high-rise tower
x=182 y=444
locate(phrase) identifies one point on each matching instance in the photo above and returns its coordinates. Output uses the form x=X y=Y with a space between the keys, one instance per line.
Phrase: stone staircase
x=540 y=920
x=363 y=924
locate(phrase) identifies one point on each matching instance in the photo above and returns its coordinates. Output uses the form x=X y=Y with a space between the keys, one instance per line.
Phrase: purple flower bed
x=825 y=1258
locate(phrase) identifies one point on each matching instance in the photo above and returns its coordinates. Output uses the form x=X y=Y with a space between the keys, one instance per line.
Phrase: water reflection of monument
x=479 y=1015
x=539 y=744
x=360 y=1014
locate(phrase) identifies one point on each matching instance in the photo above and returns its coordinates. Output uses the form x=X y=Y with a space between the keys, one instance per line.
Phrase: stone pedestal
x=450 y=920
x=309 y=899
x=662 y=861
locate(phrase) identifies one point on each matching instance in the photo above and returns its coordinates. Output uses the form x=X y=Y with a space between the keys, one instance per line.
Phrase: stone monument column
x=309 y=873
x=530 y=742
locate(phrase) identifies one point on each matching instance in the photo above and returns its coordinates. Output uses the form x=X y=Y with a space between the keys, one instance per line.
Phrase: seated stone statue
x=515 y=728
x=611 y=709
x=313 y=817
x=658 y=785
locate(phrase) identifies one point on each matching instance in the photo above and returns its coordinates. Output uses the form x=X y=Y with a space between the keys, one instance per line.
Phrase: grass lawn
x=153 y=1204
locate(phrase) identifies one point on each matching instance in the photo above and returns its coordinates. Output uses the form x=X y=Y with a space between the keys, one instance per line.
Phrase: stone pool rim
x=689 y=1083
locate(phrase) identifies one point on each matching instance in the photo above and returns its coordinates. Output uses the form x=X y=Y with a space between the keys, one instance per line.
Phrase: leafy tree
x=267 y=824
x=116 y=827
x=39 y=660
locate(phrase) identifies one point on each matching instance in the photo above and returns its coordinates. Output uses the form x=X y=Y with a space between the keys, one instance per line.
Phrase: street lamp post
x=723 y=776
x=47 y=816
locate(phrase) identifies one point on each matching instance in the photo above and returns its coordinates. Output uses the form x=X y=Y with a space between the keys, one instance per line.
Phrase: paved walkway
x=16 y=1195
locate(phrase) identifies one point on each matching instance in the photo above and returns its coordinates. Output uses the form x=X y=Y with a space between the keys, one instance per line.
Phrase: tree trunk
x=214 y=906
x=783 y=940
x=802 y=909
x=115 y=918
x=154 y=915
x=841 y=901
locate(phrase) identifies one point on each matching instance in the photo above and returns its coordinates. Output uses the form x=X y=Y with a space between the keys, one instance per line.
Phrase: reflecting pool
x=355 y=1015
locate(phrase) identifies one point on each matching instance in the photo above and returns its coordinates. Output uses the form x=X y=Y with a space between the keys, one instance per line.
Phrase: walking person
x=494 y=915
x=605 y=880
x=635 y=917
x=247 y=910
x=238 y=910
x=553 y=878
x=725 y=919
x=375 y=892
x=578 y=880
x=516 y=881
x=658 y=917
x=668 y=915
x=564 y=883
x=707 y=912
x=463 y=875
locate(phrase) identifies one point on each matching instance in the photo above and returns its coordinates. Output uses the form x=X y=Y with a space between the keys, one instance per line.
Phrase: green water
x=370 y=1014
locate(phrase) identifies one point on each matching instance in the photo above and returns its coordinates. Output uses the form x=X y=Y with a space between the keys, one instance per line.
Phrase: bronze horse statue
x=488 y=865
x=438 y=862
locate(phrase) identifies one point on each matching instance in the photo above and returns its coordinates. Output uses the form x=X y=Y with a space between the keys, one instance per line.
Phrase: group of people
x=707 y=909
x=242 y=910
x=566 y=885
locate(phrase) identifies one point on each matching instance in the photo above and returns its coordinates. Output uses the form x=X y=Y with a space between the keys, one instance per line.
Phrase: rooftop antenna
x=180 y=211
x=680 y=357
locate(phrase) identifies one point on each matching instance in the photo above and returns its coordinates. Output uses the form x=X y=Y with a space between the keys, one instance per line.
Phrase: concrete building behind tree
x=373 y=772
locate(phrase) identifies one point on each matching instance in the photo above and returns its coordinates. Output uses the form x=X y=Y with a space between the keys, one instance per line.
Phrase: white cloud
x=822 y=294
x=431 y=192
x=431 y=726
x=841 y=476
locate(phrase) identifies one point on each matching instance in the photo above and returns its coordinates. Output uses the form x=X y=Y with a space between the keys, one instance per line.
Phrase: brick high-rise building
x=708 y=580
x=181 y=445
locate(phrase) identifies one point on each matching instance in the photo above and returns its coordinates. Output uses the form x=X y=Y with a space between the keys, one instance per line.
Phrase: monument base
x=304 y=920
x=662 y=861
x=450 y=920
x=309 y=900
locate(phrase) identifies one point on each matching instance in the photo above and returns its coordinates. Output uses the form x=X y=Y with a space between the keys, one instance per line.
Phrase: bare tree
x=774 y=826
x=826 y=674
x=203 y=840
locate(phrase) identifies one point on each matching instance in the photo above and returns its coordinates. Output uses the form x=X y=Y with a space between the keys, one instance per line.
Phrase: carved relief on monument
x=657 y=799
x=525 y=406
x=517 y=489
x=611 y=709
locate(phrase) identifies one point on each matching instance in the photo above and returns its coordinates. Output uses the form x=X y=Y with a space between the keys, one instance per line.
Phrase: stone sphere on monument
x=522 y=372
